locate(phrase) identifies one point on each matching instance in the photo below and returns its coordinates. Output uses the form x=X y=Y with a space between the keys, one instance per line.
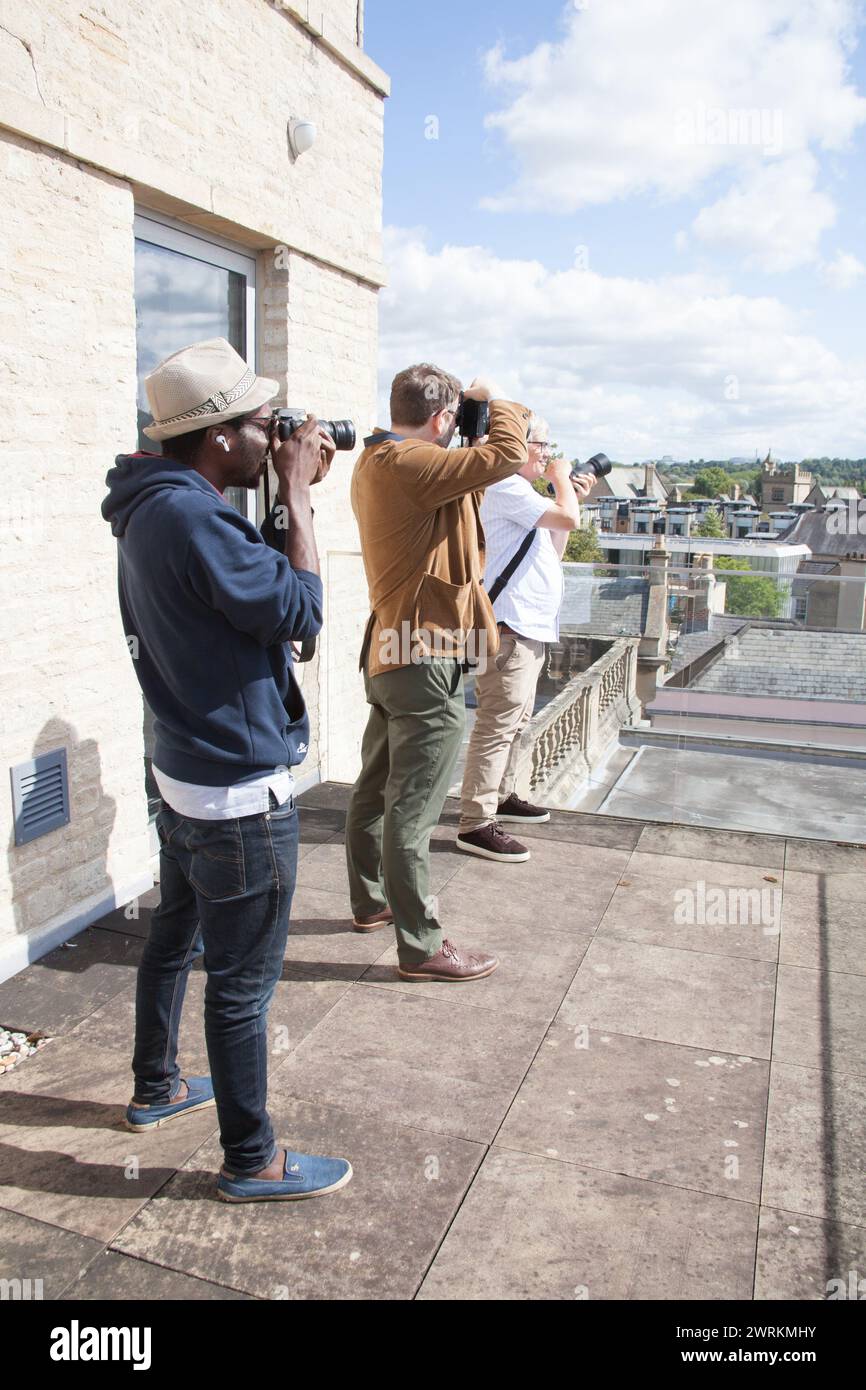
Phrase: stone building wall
x=107 y=109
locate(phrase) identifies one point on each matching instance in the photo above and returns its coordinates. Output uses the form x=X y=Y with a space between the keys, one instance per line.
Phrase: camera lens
x=599 y=466
x=341 y=431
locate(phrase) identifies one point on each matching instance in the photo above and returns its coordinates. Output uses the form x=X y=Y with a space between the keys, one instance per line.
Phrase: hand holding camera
x=303 y=454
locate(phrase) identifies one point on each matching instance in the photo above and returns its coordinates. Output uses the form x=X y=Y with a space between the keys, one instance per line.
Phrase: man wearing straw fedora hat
x=209 y=608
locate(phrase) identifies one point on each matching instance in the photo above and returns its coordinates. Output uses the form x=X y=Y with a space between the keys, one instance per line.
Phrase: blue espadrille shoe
x=304 y=1175
x=143 y=1117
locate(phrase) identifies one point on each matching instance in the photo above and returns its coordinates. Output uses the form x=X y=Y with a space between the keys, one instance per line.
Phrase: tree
x=712 y=525
x=710 y=482
x=582 y=545
x=752 y=596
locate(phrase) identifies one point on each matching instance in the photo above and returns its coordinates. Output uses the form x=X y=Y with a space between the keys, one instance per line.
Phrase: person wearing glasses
x=209 y=610
x=527 y=614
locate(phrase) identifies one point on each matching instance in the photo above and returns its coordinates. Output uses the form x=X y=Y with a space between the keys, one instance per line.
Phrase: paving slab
x=114 y=1277
x=374 y=1239
x=331 y=796
x=707 y=905
x=325 y=866
x=296 y=1007
x=645 y=1109
x=45 y=1255
x=816 y=1143
x=825 y=856
x=322 y=945
x=720 y=1003
x=521 y=895
x=422 y=1060
x=823 y=921
x=65 y=1156
x=134 y=918
x=537 y=1228
x=536 y=967
x=607 y=832
x=67 y=984
x=820 y=1019
x=801 y=1257
x=731 y=846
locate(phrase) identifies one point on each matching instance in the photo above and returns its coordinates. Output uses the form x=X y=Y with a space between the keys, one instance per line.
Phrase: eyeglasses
x=542 y=444
x=264 y=422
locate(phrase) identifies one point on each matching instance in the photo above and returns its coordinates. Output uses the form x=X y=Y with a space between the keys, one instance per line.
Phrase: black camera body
x=473 y=418
x=341 y=431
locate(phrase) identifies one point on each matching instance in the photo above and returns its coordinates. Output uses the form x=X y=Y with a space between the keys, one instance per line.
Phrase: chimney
x=649 y=473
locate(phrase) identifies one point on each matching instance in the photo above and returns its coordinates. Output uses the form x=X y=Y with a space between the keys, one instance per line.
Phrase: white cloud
x=774 y=219
x=663 y=97
x=638 y=368
x=843 y=271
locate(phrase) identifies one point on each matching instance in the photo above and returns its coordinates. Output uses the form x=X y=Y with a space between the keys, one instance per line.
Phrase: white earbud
x=221 y=439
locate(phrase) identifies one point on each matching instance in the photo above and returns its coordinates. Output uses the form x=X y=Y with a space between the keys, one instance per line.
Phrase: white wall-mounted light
x=302 y=135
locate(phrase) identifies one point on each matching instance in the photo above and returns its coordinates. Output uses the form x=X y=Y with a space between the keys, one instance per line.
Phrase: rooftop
x=629 y=1108
x=803 y=664
x=823 y=534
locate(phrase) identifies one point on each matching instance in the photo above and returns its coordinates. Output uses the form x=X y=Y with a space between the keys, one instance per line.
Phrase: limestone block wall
x=325 y=358
x=67 y=396
x=146 y=105
x=193 y=102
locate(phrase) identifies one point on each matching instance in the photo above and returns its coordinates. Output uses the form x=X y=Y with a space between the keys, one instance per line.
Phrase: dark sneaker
x=451 y=963
x=140 y=1118
x=492 y=842
x=384 y=918
x=304 y=1175
x=523 y=812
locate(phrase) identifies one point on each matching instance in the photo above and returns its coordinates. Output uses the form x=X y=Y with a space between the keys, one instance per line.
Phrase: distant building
x=783 y=483
x=821 y=494
x=626 y=484
x=830 y=591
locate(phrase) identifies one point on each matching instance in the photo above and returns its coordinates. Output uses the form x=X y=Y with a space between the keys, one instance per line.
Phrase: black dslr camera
x=341 y=431
x=599 y=466
x=473 y=418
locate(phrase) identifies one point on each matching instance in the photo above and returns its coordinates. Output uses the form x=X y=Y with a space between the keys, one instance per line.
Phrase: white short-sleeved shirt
x=532 y=598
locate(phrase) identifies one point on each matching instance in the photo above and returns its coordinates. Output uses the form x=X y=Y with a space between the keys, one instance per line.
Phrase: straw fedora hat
x=205 y=384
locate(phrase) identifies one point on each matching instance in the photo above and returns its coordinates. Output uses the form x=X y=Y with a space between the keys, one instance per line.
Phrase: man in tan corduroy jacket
x=417 y=503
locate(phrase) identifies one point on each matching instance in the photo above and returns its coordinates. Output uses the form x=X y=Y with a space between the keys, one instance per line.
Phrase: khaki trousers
x=505 y=693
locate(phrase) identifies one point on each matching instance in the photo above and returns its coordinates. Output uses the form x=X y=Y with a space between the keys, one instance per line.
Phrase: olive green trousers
x=408 y=755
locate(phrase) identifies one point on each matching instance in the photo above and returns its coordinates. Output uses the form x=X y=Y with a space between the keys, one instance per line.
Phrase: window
x=187 y=289
x=778 y=494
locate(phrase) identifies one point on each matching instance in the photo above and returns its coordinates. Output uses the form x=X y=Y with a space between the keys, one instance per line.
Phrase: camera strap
x=522 y=550
x=381 y=437
x=307 y=649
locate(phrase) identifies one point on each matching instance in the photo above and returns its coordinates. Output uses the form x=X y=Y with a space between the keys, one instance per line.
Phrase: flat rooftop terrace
x=634 y=1106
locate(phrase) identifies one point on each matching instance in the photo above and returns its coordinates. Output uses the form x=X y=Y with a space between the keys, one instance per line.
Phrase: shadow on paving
x=636 y=1105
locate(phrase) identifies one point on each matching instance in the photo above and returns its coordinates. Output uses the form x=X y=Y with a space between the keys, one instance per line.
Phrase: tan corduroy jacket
x=422 y=541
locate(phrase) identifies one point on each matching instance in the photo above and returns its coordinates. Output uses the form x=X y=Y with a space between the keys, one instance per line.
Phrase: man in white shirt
x=527 y=612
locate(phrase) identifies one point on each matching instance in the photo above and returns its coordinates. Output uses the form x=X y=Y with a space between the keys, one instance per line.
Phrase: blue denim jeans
x=226 y=892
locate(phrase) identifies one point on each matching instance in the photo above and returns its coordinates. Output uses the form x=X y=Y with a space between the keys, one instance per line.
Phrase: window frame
x=170 y=234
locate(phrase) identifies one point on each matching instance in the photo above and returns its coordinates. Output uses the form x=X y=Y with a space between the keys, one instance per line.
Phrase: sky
x=645 y=219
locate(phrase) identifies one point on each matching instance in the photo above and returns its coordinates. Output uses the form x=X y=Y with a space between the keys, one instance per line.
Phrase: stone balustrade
x=568 y=737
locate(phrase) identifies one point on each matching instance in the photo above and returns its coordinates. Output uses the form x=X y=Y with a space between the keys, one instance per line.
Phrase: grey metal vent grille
x=40 y=796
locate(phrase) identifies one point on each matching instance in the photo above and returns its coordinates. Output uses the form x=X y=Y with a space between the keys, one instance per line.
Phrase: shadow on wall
x=67 y=866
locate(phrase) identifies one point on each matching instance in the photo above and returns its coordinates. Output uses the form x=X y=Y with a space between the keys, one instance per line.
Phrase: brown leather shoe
x=451 y=963
x=384 y=918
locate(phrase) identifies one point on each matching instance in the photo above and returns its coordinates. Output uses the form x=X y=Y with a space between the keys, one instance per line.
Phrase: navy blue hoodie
x=210 y=606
